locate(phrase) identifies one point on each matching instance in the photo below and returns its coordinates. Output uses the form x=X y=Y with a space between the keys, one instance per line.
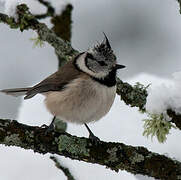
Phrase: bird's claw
x=94 y=138
x=49 y=129
x=44 y=126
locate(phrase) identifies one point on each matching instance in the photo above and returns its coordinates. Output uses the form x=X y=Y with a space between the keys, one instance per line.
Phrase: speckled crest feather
x=104 y=48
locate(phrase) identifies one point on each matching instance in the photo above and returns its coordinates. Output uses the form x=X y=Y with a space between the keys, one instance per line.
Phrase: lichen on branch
x=27 y=21
x=135 y=96
x=116 y=156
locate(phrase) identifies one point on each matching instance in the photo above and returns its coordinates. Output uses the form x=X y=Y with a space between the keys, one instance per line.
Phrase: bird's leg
x=51 y=126
x=91 y=135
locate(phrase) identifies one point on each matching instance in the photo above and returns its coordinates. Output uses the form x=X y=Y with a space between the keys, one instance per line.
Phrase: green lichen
x=25 y=18
x=136 y=158
x=157 y=125
x=112 y=155
x=74 y=146
x=135 y=96
x=37 y=42
x=11 y=23
x=29 y=136
x=60 y=126
x=42 y=148
x=13 y=139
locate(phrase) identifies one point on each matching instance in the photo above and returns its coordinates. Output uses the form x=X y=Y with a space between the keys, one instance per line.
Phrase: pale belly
x=81 y=102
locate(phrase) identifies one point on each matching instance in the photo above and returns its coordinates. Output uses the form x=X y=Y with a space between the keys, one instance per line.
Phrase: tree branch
x=64 y=169
x=179 y=1
x=27 y=21
x=116 y=156
x=135 y=96
x=50 y=10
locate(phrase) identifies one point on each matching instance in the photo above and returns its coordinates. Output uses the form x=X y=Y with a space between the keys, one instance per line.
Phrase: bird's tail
x=16 y=91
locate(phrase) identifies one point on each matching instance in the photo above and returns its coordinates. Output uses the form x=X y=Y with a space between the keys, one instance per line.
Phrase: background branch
x=135 y=96
x=27 y=21
x=50 y=10
x=65 y=170
x=116 y=156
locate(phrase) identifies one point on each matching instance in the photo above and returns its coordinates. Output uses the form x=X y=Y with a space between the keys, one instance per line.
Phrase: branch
x=50 y=10
x=27 y=21
x=116 y=156
x=64 y=169
x=62 y=28
x=179 y=1
x=135 y=96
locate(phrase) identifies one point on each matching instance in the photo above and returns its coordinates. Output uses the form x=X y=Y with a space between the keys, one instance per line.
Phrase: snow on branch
x=116 y=156
x=135 y=96
x=44 y=7
x=156 y=100
x=27 y=21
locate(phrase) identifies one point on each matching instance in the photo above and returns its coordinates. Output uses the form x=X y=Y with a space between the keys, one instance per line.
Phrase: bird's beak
x=119 y=66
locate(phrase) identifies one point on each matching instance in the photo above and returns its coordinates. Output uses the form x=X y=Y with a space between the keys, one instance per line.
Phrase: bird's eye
x=90 y=56
x=102 y=63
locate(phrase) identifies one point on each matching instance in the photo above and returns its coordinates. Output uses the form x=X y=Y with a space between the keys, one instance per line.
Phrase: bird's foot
x=94 y=138
x=49 y=129
x=44 y=126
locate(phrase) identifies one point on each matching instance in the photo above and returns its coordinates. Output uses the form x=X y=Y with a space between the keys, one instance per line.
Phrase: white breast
x=82 y=101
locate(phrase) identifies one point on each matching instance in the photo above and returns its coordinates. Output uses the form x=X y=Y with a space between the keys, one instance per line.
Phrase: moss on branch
x=116 y=156
x=135 y=96
x=27 y=21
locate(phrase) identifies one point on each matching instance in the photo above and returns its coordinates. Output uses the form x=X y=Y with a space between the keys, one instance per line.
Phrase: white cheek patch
x=81 y=64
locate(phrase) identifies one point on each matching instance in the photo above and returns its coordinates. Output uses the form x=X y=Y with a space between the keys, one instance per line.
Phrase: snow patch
x=34 y=6
x=165 y=96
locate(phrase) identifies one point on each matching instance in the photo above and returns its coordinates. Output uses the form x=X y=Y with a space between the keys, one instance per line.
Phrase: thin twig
x=50 y=10
x=61 y=167
x=116 y=156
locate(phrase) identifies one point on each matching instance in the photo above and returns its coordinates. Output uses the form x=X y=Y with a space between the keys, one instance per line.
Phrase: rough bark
x=65 y=170
x=27 y=21
x=135 y=96
x=116 y=156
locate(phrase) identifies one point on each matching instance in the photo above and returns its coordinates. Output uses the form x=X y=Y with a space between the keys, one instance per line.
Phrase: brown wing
x=56 y=81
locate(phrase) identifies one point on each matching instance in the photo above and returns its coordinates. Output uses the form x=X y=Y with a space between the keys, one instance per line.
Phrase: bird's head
x=99 y=61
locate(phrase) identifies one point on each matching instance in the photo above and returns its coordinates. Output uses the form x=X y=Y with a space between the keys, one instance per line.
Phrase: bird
x=81 y=91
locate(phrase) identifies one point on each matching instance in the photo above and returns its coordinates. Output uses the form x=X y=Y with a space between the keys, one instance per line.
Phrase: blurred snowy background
x=145 y=36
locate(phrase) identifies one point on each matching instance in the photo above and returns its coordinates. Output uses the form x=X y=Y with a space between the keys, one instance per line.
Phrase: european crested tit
x=81 y=91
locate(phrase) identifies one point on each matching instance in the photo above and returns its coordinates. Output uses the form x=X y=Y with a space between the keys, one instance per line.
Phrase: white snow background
x=152 y=52
x=122 y=124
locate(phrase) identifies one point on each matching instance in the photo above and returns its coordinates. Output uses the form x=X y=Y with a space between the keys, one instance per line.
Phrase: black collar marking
x=109 y=80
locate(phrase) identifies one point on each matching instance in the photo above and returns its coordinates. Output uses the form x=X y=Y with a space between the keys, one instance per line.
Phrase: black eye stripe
x=102 y=63
x=90 y=56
